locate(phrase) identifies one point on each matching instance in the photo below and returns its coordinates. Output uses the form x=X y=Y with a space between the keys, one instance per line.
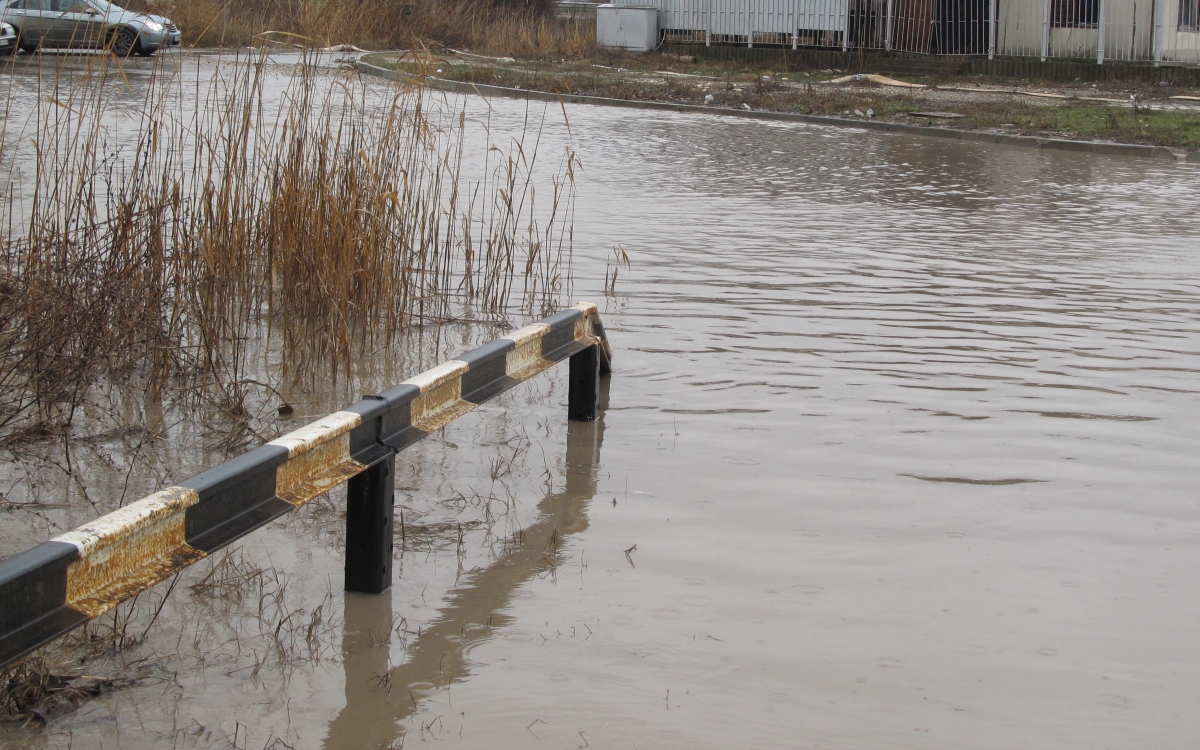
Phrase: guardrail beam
x=61 y=584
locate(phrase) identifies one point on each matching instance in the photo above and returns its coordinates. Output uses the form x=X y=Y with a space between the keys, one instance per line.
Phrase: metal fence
x=60 y=584
x=1159 y=31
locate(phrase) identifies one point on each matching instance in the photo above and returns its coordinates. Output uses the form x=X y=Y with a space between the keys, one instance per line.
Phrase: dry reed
x=324 y=217
x=520 y=28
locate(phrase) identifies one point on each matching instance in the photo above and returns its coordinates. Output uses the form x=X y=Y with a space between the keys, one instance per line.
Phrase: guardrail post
x=583 y=393
x=370 y=509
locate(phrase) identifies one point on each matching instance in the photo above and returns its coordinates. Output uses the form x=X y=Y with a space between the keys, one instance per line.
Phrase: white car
x=8 y=39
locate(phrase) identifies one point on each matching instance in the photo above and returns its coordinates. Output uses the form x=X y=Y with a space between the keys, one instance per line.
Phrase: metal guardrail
x=61 y=584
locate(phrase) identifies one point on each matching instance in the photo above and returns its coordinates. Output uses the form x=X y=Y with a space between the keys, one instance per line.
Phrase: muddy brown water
x=900 y=450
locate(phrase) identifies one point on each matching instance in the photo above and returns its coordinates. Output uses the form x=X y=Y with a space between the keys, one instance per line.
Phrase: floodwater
x=900 y=450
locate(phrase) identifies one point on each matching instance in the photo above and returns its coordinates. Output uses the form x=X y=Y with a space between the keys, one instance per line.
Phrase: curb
x=976 y=136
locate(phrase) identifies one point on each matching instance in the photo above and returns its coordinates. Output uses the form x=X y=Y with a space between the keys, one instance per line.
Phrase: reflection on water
x=379 y=697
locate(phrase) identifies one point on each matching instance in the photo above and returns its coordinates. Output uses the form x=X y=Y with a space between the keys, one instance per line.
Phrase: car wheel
x=124 y=42
x=27 y=44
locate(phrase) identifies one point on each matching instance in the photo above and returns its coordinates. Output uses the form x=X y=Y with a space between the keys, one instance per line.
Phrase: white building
x=1166 y=31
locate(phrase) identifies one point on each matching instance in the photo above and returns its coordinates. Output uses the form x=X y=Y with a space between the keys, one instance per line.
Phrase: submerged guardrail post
x=370 y=515
x=583 y=389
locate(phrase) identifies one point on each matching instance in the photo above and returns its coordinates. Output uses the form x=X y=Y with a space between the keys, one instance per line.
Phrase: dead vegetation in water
x=228 y=579
x=235 y=615
x=612 y=270
x=242 y=592
x=161 y=257
x=54 y=681
x=31 y=691
x=432 y=536
x=257 y=616
x=444 y=527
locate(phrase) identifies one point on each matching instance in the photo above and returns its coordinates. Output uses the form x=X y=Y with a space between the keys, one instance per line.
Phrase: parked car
x=174 y=35
x=8 y=39
x=86 y=24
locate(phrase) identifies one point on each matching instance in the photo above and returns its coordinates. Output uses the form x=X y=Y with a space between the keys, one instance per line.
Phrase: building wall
x=1129 y=26
x=1019 y=27
x=740 y=21
x=1129 y=30
x=1178 y=45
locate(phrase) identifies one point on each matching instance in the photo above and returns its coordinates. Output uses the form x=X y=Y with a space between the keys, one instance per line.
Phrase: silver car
x=174 y=35
x=86 y=24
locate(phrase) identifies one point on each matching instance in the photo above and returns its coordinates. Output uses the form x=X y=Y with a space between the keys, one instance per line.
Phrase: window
x=1189 y=15
x=1077 y=14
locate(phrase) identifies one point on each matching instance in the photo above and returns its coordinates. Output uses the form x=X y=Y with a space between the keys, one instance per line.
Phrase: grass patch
x=1092 y=122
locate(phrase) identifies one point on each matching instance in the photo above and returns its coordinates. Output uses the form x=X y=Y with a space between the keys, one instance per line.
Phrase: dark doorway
x=863 y=25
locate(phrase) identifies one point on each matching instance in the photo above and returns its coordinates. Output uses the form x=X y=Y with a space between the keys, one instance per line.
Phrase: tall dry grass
x=281 y=227
x=520 y=28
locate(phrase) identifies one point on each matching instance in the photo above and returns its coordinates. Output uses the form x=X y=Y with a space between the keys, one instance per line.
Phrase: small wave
x=1082 y=415
x=966 y=480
